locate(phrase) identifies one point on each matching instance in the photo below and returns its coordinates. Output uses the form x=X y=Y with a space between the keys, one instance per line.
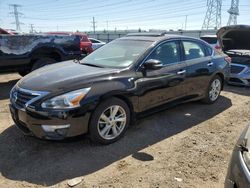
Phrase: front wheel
x=213 y=91
x=109 y=121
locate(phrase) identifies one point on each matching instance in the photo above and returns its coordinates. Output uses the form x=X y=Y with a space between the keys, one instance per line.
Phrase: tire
x=213 y=90
x=102 y=125
x=42 y=62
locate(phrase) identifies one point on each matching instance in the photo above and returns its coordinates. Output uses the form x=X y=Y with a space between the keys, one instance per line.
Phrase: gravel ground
x=186 y=146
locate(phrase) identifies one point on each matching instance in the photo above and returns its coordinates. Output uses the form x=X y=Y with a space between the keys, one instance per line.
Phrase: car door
x=199 y=67
x=166 y=84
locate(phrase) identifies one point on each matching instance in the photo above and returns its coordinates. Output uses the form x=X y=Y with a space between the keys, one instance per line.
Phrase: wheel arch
x=221 y=75
x=122 y=97
x=45 y=52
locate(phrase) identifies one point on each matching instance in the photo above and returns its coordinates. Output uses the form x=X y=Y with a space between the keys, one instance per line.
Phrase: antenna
x=213 y=15
x=233 y=12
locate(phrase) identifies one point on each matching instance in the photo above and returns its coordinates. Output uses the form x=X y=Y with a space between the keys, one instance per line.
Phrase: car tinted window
x=193 y=50
x=93 y=41
x=210 y=40
x=119 y=53
x=209 y=50
x=167 y=53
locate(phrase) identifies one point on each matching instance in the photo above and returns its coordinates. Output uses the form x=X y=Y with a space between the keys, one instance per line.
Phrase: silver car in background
x=96 y=43
x=238 y=175
x=235 y=42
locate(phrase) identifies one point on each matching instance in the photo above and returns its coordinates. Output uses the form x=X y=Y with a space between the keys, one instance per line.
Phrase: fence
x=107 y=37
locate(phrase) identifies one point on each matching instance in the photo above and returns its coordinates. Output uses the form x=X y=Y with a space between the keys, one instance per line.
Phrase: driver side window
x=167 y=53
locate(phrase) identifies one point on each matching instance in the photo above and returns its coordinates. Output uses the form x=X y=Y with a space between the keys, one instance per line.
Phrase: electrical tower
x=234 y=12
x=16 y=14
x=213 y=15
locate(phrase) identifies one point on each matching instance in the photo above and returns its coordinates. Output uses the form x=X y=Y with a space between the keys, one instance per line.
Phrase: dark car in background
x=24 y=53
x=119 y=82
x=238 y=175
x=85 y=44
x=235 y=42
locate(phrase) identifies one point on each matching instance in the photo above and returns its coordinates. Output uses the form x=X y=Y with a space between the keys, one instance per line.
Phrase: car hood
x=62 y=76
x=234 y=37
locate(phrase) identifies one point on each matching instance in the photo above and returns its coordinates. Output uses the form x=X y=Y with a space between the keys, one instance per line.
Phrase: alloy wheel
x=112 y=122
x=215 y=89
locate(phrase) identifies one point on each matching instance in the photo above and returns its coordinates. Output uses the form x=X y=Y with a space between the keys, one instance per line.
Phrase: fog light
x=53 y=128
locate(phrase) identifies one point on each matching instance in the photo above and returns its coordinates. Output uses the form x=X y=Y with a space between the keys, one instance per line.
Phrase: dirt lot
x=192 y=142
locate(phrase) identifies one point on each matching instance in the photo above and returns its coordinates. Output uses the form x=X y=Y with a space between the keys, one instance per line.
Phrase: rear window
x=210 y=40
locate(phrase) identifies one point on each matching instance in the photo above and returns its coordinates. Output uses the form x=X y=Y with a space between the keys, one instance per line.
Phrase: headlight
x=247 y=71
x=67 y=100
x=246 y=142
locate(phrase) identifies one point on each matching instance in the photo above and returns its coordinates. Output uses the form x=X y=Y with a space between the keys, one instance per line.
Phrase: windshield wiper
x=92 y=65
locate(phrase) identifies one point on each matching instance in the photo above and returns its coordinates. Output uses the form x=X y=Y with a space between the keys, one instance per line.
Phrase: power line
x=16 y=14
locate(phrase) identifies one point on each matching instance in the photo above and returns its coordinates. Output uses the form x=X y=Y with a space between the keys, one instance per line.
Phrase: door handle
x=210 y=64
x=181 y=72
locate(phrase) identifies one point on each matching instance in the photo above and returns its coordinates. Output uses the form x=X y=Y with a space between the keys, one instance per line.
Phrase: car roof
x=66 y=33
x=155 y=37
x=210 y=36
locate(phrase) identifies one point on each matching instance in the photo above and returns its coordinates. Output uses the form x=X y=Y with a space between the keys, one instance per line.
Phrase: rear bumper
x=30 y=123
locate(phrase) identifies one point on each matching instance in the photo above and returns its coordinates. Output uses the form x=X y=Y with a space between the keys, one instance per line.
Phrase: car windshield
x=117 y=54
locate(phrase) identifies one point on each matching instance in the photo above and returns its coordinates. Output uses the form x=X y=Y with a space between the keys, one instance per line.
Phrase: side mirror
x=153 y=64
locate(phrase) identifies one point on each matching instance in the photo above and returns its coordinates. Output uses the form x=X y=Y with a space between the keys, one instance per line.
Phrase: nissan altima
x=102 y=93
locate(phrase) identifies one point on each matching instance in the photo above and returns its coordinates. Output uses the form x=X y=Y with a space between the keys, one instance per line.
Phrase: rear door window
x=193 y=50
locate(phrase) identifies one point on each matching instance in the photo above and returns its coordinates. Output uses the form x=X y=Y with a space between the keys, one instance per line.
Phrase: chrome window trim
x=156 y=46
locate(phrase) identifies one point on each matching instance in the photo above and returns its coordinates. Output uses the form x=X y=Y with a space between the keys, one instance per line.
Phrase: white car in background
x=212 y=40
x=96 y=43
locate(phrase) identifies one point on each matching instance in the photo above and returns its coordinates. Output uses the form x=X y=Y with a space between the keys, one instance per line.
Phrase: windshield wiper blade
x=92 y=65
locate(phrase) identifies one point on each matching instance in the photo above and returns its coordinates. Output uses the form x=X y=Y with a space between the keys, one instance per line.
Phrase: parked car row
x=234 y=41
x=24 y=53
x=126 y=79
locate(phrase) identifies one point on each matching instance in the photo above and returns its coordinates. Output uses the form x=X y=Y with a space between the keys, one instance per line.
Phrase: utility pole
x=234 y=12
x=186 y=22
x=16 y=14
x=31 y=28
x=213 y=15
x=107 y=22
x=94 y=24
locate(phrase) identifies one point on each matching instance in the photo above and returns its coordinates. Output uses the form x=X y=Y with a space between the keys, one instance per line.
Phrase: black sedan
x=101 y=94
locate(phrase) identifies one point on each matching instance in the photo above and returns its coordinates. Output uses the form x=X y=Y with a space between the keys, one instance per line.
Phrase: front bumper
x=241 y=77
x=30 y=122
x=239 y=80
x=238 y=175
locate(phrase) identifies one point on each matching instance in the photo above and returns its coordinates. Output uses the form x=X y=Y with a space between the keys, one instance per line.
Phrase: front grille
x=235 y=69
x=22 y=97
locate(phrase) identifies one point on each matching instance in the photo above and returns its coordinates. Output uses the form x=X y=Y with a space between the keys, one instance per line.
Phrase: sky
x=73 y=15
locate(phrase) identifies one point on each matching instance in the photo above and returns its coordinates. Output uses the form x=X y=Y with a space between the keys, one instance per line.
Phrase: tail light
x=217 y=47
x=228 y=59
